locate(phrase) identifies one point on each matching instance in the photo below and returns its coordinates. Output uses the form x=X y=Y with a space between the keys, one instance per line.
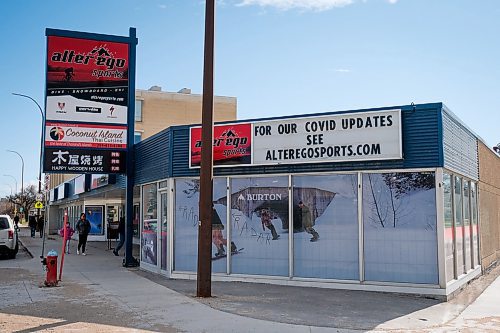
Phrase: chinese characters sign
x=86 y=105
x=70 y=160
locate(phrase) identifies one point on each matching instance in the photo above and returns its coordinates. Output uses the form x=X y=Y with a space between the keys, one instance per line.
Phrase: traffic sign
x=39 y=197
x=38 y=205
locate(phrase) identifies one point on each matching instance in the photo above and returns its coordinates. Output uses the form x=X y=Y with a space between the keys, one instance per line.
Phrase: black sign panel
x=74 y=160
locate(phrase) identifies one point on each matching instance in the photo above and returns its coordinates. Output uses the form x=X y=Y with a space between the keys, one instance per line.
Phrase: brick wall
x=489 y=205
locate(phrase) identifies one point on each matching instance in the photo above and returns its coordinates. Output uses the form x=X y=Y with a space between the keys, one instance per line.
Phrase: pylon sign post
x=90 y=108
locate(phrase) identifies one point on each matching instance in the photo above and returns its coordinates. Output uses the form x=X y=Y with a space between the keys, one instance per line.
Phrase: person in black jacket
x=32 y=225
x=83 y=227
x=121 y=232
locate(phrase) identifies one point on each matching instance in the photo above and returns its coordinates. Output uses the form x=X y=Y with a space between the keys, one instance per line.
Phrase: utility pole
x=204 y=272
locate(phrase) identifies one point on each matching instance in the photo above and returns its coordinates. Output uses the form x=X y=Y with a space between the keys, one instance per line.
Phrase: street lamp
x=40 y=164
x=41 y=140
x=10 y=195
x=15 y=180
x=22 y=175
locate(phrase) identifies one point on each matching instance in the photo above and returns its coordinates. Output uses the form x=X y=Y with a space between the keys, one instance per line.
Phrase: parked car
x=8 y=237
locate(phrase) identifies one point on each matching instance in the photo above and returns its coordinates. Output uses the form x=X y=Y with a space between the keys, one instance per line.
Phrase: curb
x=25 y=247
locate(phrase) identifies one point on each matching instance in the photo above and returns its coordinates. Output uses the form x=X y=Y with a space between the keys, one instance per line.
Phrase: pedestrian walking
x=41 y=225
x=83 y=227
x=69 y=233
x=16 y=221
x=121 y=232
x=32 y=224
x=265 y=218
x=307 y=221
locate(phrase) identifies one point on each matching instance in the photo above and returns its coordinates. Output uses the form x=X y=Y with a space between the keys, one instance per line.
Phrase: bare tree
x=25 y=199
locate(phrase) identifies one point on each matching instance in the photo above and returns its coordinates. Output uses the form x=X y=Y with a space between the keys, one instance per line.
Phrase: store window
x=149 y=224
x=459 y=226
x=138 y=110
x=325 y=223
x=95 y=215
x=399 y=220
x=475 y=231
x=449 y=235
x=164 y=229
x=137 y=137
x=187 y=196
x=259 y=225
x=137 y=212
x=467 y=227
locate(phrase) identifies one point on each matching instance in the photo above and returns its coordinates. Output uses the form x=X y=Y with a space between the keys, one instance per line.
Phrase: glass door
x=164 y=230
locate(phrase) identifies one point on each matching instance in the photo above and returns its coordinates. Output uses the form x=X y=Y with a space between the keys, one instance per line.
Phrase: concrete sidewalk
x=169 y=305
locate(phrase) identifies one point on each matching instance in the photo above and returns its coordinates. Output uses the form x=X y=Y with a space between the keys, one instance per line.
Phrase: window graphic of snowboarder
x=307 y=221
x=217 y=237
x=265 y=218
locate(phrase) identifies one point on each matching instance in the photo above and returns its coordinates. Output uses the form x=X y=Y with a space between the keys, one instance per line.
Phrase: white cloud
x=163 y=6
x=317 y=5
x=342 y=70
x=300 y=4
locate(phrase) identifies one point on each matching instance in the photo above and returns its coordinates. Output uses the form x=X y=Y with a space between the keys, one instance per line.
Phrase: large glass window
x=187 y=196
x=459 y=227
x=449 y=236
x=259 y=217
x=467 y=231
x=149 y=226
x=325 y=223
x=399 y=218
x=475 y=231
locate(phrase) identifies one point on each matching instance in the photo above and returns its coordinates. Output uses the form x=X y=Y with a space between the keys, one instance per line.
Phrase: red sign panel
x=232 y=145
x=74 y=62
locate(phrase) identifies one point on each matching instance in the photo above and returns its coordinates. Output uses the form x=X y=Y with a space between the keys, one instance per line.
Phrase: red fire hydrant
x=51 y=266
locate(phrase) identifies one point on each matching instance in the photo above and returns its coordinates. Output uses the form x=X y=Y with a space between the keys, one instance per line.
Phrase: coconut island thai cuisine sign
x=361 y=136
x=86 y=105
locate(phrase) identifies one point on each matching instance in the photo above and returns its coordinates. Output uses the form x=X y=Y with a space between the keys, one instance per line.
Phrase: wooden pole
x=204 y=272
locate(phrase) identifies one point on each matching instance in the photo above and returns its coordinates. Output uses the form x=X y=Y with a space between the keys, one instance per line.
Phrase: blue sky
x=278 y=57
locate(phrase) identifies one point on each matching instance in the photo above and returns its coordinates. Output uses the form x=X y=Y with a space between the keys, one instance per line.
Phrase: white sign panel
x=362 y=136
x=85 y=135
x=68 y=108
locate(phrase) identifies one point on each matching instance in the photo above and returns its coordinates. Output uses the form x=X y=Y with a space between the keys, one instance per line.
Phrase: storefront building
x=384 y=199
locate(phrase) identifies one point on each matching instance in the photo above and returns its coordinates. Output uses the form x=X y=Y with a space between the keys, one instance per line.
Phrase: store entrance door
x=163 y=231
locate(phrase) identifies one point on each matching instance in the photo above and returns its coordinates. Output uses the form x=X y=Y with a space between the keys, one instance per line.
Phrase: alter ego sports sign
x=361 y=136
x=232 y=145
x=86 y=102
x=87 y=80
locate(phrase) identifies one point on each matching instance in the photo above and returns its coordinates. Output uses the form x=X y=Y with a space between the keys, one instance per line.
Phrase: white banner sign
x=85 y=135
x=362 y=136
x=102 y=110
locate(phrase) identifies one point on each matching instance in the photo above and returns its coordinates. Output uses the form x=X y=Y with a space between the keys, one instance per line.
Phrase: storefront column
x=440 y=228
x=360 y=229
x=290 y=228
